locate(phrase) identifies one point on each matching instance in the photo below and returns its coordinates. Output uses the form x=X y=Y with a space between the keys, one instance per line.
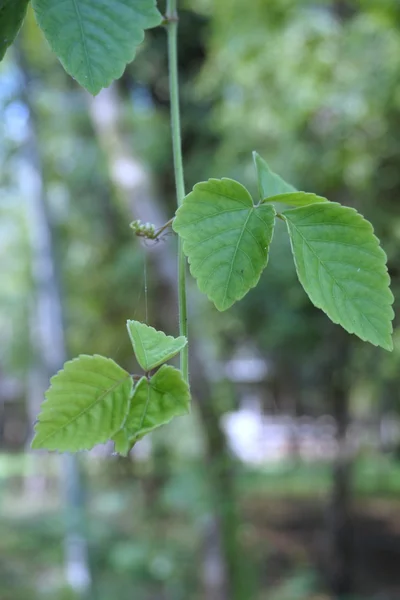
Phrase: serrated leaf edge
x=33 y=446
x=89 y=86
x=388 y=347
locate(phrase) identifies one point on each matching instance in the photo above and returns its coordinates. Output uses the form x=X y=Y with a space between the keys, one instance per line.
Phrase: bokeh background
x=284 y=482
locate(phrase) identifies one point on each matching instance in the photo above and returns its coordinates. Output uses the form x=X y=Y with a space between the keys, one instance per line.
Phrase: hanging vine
x=223 y=232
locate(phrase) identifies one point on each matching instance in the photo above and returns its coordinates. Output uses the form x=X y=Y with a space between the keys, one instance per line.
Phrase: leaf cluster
x=338 y=259
x=92 y=399
x=226 y=237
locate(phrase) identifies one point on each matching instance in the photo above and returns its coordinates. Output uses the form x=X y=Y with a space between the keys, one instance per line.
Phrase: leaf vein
x=86 y=409
x=83 y=40
x=228 y=281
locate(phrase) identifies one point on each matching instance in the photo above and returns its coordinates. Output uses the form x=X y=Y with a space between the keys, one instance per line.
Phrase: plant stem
x=172 y=28
x=161 y=229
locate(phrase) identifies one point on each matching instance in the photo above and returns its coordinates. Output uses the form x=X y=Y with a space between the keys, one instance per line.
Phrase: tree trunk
x=222 y=570
x=47 y=338
x=339 y=519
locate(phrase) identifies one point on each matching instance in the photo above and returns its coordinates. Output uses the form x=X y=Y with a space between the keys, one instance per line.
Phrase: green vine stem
x=172 y=29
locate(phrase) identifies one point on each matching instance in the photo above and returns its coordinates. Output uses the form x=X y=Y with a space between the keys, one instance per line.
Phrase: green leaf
x=225 y=237
x=343 y=269
x=153 y=404
x=122 y=444
x=269 y=183
x=86 y=404
x=95 y=39
x=152 y=347
x=296 y=199
x=274 y=189
x=12 y=14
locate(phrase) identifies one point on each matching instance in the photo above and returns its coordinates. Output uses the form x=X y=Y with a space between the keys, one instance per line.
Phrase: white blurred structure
x=258 y=438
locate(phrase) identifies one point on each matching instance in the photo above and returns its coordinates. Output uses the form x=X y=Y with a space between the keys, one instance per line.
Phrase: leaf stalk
x=172 y=31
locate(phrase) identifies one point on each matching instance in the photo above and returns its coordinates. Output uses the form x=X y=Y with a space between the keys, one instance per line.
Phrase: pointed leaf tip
x=269 y=183
x=152 y=347
x=122 y=443
x=95 y=39
x=342 y=268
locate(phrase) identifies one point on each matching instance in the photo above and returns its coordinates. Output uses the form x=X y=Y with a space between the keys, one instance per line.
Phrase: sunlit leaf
x=122 y=443
x=86 y=404
x=226 y=239
x=153 y=403
x=152 y=347
x=95 y=39
x=343 y=269
x=12 y=14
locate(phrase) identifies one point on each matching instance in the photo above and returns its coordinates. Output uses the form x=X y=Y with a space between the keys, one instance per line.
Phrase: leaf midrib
x=83 y=39
x=88 y=408
x=146 y=406
x=143 y=348
x=322 y=263
x=150 y=387
x=235 y=253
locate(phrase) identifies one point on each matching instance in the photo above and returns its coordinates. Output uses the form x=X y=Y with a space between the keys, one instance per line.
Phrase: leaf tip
x=35 y=443
x=388 y=345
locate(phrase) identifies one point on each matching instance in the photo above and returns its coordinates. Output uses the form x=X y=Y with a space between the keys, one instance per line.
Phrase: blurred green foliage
x=130 y=552
x=312 y=86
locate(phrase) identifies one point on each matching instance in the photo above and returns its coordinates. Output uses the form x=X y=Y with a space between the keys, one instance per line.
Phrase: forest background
x=284 y=482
